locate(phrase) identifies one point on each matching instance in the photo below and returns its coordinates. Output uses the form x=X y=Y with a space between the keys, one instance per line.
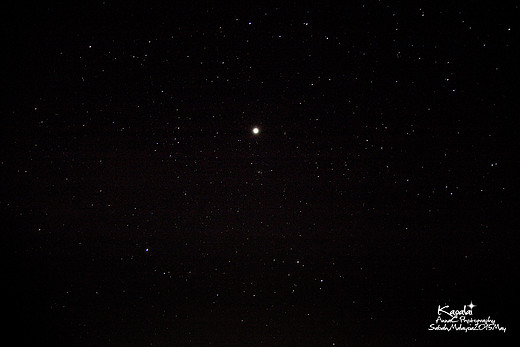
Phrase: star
x=256 y=131
x=471 y=305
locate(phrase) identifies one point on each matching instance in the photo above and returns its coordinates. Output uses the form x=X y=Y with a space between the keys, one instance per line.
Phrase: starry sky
x=141 y=209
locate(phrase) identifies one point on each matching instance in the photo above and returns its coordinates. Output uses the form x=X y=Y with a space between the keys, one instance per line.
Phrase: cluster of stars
x=242 y=176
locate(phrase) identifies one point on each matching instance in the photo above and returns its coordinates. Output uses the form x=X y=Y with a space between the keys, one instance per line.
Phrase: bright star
x=256 y=131
x=471 y=305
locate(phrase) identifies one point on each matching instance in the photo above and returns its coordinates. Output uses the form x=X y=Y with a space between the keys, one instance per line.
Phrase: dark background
x=141 y=210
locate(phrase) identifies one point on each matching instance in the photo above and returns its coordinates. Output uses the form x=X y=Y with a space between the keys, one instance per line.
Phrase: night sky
x=141 y=209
